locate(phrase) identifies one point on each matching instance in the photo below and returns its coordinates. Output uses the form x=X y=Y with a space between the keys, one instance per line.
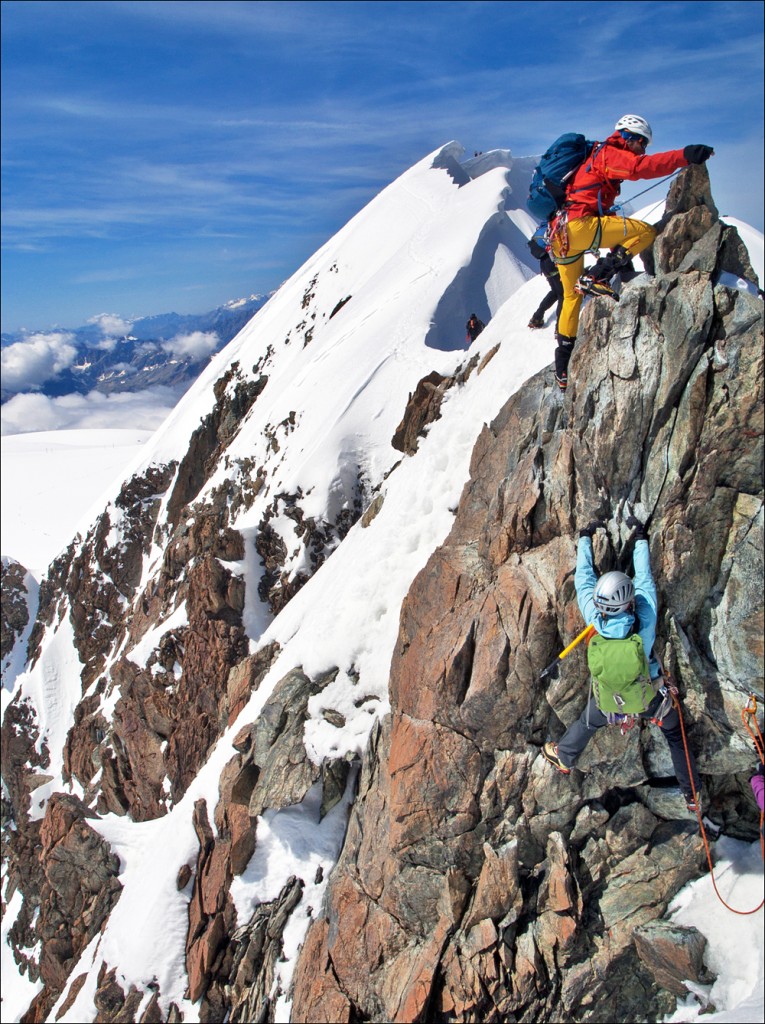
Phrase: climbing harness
x=559 y=230
x=697 y=803
x=625 y=722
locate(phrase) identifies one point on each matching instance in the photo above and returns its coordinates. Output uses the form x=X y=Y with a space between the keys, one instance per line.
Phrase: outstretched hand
x=591 y=527
x=635 y=524
x=697 y=154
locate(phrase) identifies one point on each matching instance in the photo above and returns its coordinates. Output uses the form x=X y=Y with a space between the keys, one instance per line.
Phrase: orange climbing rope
x=760 y=750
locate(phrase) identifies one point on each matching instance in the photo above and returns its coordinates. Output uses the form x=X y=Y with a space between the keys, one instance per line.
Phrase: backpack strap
x=599 y=186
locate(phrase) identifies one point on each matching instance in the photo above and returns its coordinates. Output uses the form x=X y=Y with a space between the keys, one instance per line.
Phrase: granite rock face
x=476 y=883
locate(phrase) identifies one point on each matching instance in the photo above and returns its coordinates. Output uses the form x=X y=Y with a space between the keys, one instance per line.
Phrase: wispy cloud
x=195 y=345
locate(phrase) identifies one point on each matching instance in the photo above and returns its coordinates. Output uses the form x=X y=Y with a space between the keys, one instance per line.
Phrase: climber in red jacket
x=587 y=222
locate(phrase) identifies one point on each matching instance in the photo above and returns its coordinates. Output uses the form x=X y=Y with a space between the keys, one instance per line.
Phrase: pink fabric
x=758 y=788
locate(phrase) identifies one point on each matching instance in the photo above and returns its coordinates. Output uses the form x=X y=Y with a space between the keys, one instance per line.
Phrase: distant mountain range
x=169 y=349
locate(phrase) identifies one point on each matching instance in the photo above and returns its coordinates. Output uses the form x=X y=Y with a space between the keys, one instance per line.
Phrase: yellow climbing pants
x=633 y=235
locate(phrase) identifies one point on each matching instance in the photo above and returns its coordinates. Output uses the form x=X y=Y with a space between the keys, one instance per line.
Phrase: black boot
x=562 y=357
x=607 y=266
x=595 y=281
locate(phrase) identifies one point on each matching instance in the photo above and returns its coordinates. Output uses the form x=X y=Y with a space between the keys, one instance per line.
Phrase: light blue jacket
x=618 y=626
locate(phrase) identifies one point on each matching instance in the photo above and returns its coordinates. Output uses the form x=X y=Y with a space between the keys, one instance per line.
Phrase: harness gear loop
x=676 y=703
x=559 y=230
x=667 y=689
x=625 y=722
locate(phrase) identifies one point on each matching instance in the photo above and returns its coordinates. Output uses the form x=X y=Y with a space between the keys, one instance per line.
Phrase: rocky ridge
x=15 y=613
x=473 y=884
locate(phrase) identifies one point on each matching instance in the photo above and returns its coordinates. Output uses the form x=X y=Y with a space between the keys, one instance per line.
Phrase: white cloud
x=29 y=363
x=112 y=325
x=106 y=344
x=146 y=348
x=141 y=410
x=195 y=346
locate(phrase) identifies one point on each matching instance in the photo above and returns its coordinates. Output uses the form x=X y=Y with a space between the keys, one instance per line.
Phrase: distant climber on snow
x=627 y=684
x=538 y=250
x=474 y=326
x=587 y=221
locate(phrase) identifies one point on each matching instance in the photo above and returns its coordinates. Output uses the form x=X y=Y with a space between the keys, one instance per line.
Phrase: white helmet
x=636 y=125
x=614 y=592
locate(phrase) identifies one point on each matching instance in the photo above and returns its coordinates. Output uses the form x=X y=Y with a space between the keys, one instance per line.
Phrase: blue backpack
x=548 y=185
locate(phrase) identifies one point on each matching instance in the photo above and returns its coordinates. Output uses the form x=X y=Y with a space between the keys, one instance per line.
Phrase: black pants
x=552 y=276
x=554 y=295
x=576 y=738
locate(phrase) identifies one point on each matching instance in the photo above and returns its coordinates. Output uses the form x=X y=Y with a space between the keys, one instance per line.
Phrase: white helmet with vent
x=635 y=124
x=614 y=593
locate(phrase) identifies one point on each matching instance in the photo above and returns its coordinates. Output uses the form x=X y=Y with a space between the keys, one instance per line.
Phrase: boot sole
x=555 y=763
x=602 y=295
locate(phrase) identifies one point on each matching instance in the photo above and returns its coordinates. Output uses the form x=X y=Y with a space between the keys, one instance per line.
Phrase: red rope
x=676 y=701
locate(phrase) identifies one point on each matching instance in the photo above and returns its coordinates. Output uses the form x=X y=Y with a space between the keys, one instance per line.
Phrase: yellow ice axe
x=552 y=669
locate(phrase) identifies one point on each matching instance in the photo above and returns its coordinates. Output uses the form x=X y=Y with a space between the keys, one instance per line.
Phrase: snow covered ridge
x=206 y=675
x=285 y=437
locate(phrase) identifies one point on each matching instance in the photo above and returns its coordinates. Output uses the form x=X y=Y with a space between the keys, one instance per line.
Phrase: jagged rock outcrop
x=674 y=955
x=169 y=712
x=231 y=968
x=234 y=396
x=424 y=405
x=475 y=883
x=318 y=538
x=78 y=888
x=14 y=616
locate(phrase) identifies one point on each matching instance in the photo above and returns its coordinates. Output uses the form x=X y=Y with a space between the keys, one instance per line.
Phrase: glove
x=590 y=528
x=697 y=154
x=637 y=526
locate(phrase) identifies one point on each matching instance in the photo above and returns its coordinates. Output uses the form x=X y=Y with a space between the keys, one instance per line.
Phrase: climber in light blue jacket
x=620 y=623
x=617 y=607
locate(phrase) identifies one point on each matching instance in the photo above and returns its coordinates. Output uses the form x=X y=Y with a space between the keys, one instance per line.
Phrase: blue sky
x=171 y=156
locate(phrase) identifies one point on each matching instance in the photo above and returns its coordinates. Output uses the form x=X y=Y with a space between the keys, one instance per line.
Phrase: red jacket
x=603 y=174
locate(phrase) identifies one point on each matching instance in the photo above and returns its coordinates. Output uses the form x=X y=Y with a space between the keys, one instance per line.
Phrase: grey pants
x=575 y=739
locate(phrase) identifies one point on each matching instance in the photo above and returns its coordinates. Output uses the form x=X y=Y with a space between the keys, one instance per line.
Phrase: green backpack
x=621 y=677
